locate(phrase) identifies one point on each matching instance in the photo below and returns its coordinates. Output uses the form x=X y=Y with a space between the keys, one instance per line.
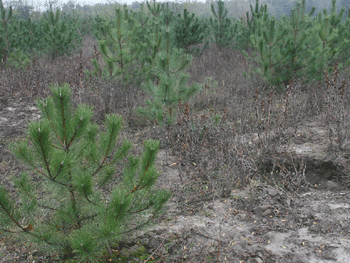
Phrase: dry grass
x=254 y=119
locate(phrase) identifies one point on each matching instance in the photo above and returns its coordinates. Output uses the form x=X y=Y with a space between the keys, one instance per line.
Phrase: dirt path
x=15 y=113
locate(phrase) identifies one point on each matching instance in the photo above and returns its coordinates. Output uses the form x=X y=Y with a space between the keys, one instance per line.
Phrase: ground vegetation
x=253 y=135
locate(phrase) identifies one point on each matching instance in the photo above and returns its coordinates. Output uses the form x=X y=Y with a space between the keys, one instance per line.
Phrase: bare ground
x=263 y=224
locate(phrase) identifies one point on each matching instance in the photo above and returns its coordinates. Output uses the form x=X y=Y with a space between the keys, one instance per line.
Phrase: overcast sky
x=93 y=2
x=40 y=3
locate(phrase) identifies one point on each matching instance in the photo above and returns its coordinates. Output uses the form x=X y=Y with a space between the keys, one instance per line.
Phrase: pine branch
x=75 y=133
x=44 y=157
x=52 y=126
x=27 y=229
x=63 y=117
x=32 y=165
x=12 y=218
x=87 y=218
x=58 y=172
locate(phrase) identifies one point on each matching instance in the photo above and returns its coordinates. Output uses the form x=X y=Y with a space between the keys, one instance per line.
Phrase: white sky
x=41 y=3
x=93 y=2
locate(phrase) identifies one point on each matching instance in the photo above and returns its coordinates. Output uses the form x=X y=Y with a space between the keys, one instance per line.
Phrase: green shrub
x=299 y=46
x=222 y=28
x=60 y=37
x=189 y=32
x=18 y=60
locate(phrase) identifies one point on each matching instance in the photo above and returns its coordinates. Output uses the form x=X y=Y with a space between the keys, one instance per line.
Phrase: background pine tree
x=189 y=32
x=5 y=31
x=222 y=29
x=116 y=46
x=170 y=84
x=60 y=37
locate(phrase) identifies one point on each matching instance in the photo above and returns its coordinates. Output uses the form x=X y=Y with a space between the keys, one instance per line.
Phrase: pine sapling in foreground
x=78 y=203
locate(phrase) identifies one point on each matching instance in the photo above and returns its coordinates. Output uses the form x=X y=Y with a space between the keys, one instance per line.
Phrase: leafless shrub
x=195 y=138
x=272 y=129
x=225 y=67
x=337 y=111
x=258 y=124
x=291 y=172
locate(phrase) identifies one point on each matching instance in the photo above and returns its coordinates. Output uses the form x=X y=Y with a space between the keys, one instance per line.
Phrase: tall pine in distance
x=60 y=37
x=189 y=33
x=282 y=46
x=222 y=28
x=333 y=31
x=117 y=48
x=170 y=84
x=5 y=42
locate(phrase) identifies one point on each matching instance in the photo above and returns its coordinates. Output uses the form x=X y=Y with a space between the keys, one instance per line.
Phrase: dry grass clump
x=257 y=127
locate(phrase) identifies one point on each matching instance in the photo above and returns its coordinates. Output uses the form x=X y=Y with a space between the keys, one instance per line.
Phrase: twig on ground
x=151 y=256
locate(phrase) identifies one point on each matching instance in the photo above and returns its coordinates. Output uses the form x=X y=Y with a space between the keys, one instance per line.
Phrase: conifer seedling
x=60 y=37
x=223 y=31
x=189 y=32
x=73 y=201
